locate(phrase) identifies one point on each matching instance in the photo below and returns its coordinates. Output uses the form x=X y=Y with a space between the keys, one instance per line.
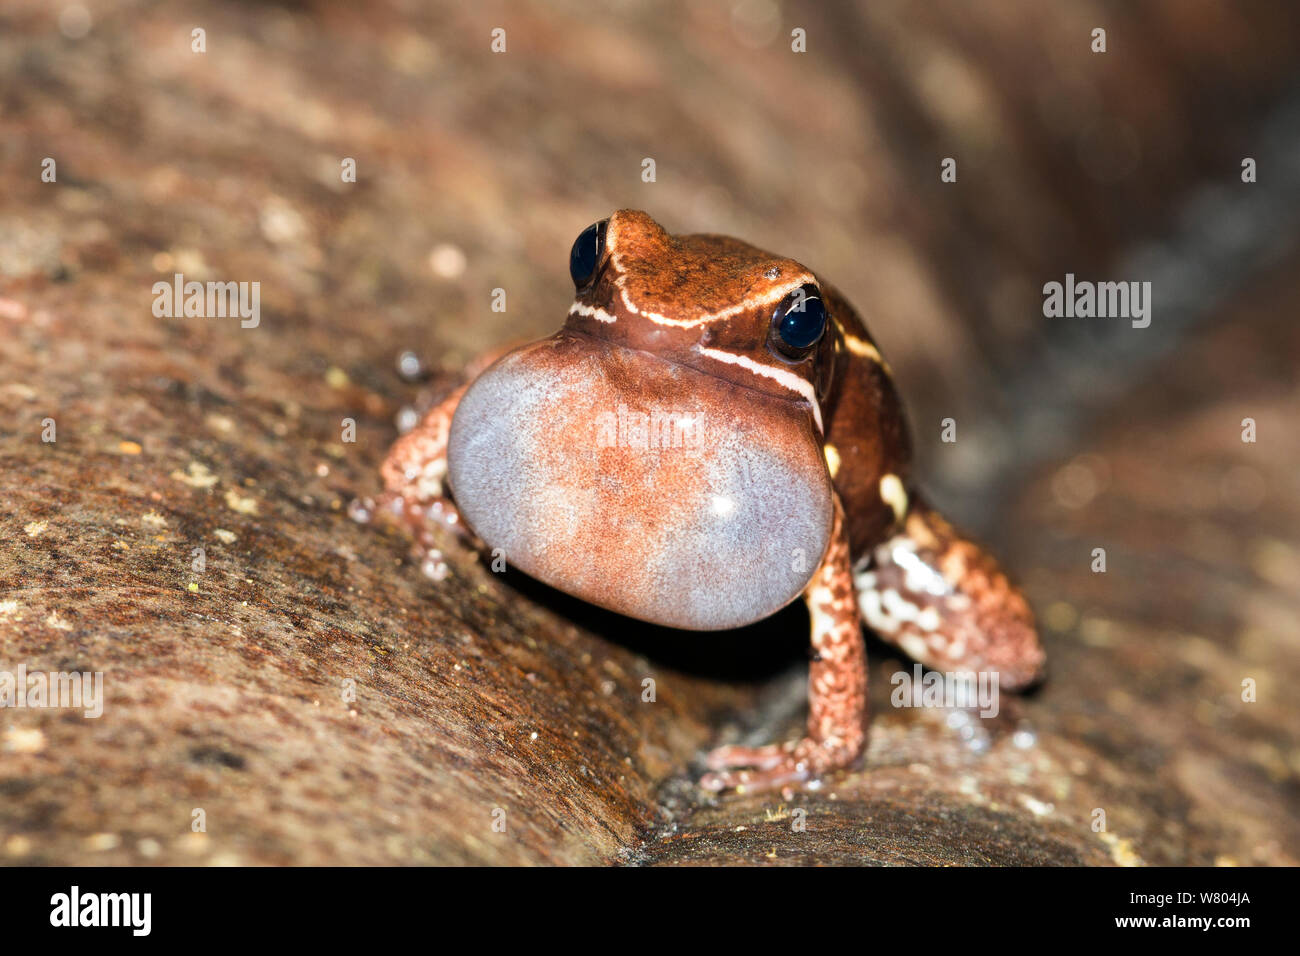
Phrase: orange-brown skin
x=803 y=450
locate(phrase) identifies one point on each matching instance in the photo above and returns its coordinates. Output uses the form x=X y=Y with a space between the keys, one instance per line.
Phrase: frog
x=712 y=435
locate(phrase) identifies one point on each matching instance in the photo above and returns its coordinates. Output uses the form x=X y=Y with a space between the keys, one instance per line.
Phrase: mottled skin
x=804 y=452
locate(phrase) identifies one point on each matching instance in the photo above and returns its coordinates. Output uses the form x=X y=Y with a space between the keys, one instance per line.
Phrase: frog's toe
x=733 y=756
x=421 y=516
x=756 y=769
x=754 y=780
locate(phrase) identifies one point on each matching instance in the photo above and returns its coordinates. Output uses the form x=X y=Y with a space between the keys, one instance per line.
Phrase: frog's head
x=661 y=455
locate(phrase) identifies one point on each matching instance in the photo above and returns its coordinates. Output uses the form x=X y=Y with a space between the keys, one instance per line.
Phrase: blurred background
x=474 y=171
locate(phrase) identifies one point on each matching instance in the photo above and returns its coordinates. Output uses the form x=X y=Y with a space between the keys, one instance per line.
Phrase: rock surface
x=321 y=701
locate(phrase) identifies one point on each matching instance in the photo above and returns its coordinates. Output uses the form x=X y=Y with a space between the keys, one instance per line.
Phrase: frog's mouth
x=640 y=485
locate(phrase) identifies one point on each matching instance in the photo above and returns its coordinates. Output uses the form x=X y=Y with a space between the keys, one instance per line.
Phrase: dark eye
x=584 y=258
x=799 y=321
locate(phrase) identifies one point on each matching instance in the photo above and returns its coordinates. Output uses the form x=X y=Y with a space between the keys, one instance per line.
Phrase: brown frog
x=712 y=434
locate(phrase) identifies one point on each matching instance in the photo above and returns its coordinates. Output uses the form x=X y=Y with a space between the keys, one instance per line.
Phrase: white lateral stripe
x=894 y=494
x=779 y=375
x=593 y=312
x=627 y=303
x=861 y=347
x=771 y=297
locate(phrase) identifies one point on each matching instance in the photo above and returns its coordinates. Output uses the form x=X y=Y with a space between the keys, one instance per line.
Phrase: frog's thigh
x=944 y=601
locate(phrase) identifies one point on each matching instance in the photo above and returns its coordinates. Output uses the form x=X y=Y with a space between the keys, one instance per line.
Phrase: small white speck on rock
x=407 y=418
x=409 y=365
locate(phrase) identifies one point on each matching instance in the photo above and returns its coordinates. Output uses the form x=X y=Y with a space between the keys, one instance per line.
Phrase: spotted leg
x=416 y=467
x=415 y=473
x=837 y=690
x=414 y=485
x=944 y=601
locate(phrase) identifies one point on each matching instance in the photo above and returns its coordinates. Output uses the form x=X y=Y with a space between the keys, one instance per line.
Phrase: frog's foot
x=757 y=769
x=837 y=690
x=422 y=515
x=944 y=601
x=415 y=469
x=415 y=493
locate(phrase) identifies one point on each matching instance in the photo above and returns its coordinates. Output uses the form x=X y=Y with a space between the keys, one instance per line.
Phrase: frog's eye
x=798 y=322
x=587 y=250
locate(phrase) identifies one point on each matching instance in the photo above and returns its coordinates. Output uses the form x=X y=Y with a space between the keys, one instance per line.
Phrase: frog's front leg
x=415 y=475
x=415 y=470
x=944 y=600
x=837 y=689
x=415 y=492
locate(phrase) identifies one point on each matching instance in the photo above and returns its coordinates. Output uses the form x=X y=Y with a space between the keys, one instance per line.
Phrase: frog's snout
x=640 y=485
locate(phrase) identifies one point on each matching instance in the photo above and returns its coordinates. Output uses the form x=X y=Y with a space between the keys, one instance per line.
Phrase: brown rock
x=229 y=690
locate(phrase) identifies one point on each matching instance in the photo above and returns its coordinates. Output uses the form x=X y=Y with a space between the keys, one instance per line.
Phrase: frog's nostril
x=549 y=461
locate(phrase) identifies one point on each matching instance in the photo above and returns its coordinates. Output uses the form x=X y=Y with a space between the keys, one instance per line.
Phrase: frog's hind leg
x=944 y=601
x=837 y=689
